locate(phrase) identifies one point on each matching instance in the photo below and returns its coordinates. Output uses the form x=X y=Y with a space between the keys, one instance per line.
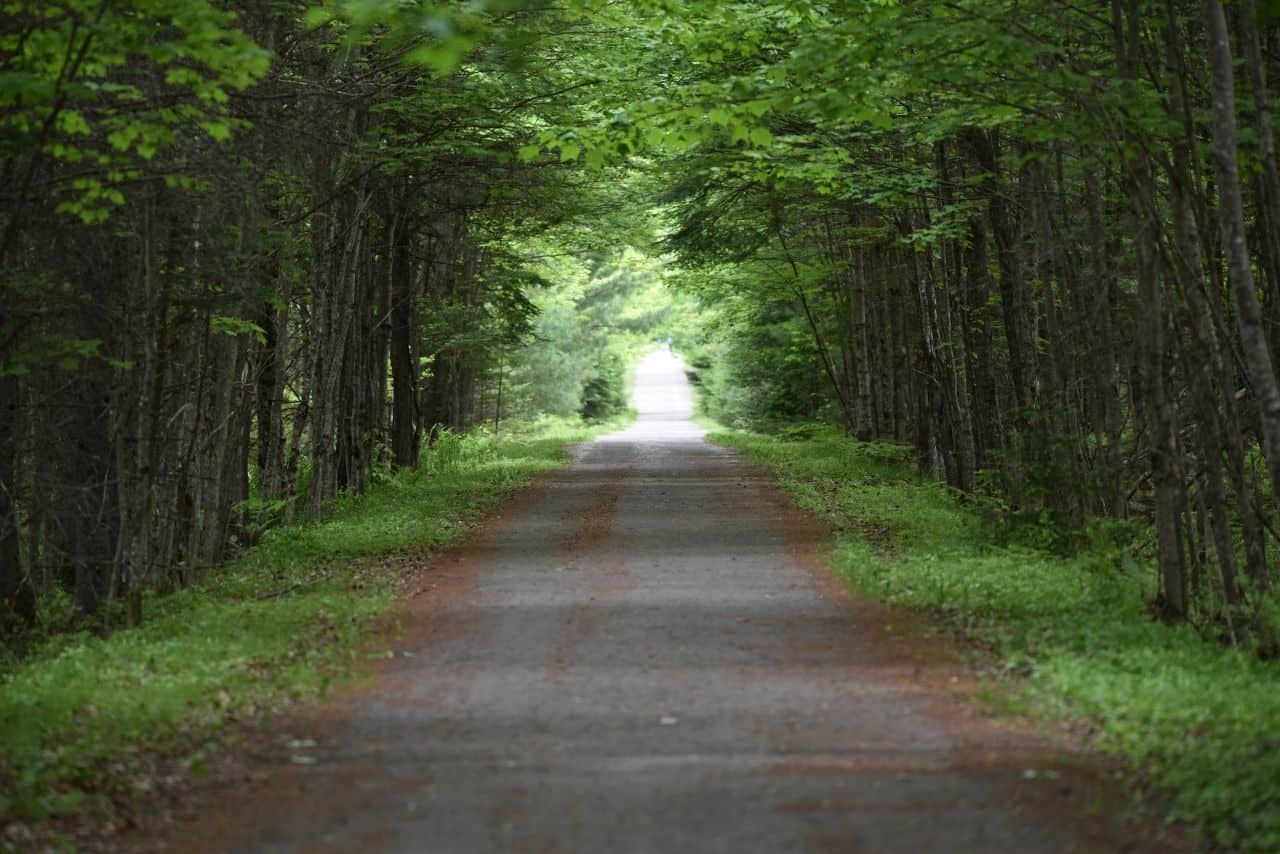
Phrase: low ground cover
x=84 y=717
x=1196 y=720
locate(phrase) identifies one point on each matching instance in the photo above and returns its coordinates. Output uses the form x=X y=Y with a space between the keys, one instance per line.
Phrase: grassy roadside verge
x=84 y=720
x=1199 y=722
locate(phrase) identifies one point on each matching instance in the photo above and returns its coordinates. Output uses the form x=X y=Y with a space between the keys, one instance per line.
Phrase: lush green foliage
x=753 y=369
x=255 y=255
x=1197 y=719
x=993 y=229
x=80 y=716
x=597 y=315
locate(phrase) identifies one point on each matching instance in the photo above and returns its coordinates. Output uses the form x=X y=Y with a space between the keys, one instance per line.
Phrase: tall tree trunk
x=1101 y=347
x=404 y=378
x=843 y=397
x=16 y=595
x=1253 y=337
x=1022 y=369
x=269 y=381
x=1212 y=381
x=1268 y=182
x=978 y=344
x=1157 y=406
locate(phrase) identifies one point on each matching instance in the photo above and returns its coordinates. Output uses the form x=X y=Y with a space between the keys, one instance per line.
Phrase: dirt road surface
x=646 y=655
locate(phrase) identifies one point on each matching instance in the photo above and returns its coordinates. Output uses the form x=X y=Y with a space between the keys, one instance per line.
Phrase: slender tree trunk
x=978 y=344
x=819 y=340
x=1101 y=346
x=1012 y=290
x=1156 y=404
x=1253 y=337
x=16 y=595
x=1268 y=182
x=404 y=379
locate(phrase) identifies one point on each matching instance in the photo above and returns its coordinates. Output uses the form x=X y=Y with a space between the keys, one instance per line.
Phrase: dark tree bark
x=1253 y=337
x=404 y=376
x=1022 y=369
x=16 y=594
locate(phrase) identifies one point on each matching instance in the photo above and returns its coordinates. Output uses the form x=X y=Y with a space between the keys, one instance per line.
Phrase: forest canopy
x=259 y=258
x=257 y=254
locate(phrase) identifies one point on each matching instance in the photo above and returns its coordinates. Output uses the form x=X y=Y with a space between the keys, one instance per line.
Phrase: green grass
x=83 y=717
x=1198 y=721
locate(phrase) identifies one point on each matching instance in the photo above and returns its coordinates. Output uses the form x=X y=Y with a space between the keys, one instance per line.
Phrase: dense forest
x=257 y=256
x=1036 y=240
x=255 y=253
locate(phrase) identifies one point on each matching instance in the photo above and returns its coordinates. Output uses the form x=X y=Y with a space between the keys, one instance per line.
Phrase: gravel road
x=646 y=655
